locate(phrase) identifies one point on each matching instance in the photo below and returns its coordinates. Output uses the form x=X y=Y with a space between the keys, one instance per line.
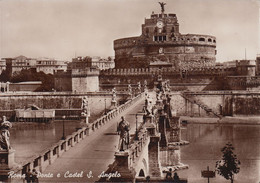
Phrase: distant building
x=2 y=65
x=103 y=63
x=81 y=76
x=243 y=67
x=258 y=65
x=246 y=67
x=46 y=65
x=16 y=64
x=49 y=66
x=100 y=63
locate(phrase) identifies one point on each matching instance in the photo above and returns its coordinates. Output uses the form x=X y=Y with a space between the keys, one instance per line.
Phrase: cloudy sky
x=65 y=28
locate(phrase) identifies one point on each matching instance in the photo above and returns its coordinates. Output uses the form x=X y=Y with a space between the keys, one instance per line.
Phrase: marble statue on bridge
x=123 y=128
x=85 y=109
x=114 y=94
x=5 y=135
x=139 y=87
x=130 y=91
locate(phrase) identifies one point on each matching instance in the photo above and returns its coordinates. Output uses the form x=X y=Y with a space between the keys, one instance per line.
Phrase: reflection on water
x=204 y=150
x=29 y=140
x=170 y=156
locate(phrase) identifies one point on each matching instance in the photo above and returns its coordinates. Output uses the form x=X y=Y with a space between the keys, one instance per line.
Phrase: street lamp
x=136 y=130
x=105 y=106
x=63 y=136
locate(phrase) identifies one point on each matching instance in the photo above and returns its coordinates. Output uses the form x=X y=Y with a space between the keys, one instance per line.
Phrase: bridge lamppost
x=136 y=130
x=63 y=134
x=105 y=106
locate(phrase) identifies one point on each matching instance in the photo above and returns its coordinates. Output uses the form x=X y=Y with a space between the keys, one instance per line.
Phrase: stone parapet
x=211 y=71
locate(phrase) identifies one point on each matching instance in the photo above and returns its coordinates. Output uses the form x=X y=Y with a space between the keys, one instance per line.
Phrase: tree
x=229 y=165
x=5 y=76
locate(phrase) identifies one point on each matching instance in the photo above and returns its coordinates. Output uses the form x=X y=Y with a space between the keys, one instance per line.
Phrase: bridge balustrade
x=137 y=146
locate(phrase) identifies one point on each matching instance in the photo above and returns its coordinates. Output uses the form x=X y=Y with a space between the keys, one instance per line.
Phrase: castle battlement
x=224 y=71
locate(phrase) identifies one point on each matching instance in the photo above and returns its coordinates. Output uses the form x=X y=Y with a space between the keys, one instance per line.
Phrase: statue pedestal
x=140 y=117
x=122 y=168
x=84 y=119
x=159 y=104
x=113 y=104
x=130 y=96
x=121 y=158
x=6 y=163
x=7 y=159
x=148 y=119
x=151 y=129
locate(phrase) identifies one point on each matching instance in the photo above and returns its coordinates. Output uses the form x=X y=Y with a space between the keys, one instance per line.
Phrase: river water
x=30 y=139
x=206 y=141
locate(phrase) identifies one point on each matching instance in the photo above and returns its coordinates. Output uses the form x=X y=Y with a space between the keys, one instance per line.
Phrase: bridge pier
x=122 y=169
x=153 y=157
x=7 y=163
x=162 y=130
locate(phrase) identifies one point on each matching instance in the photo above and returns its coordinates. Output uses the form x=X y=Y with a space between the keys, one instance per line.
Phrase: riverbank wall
x=68 y=102
x=224 y=103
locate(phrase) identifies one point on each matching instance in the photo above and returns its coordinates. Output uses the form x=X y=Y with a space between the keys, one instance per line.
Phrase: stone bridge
x=153 y=152
x=43 y=161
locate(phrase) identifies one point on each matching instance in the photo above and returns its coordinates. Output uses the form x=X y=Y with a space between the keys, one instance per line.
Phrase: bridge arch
x=142 y=168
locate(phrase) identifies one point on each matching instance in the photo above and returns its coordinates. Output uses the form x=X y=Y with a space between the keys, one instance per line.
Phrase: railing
x=225 y=92
x=22 y=93
x=191 y=99
x=48 y=156
x=137 y=146
x=134 y=152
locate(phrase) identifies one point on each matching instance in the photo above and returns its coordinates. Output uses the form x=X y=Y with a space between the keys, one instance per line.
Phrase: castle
x=162 y=45
x=184 y=59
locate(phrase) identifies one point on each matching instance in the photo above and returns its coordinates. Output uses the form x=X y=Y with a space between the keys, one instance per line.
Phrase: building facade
x=16 y=64
x=2 y=65
x=46 y=65
x=161 y=41
x=81 y=76
x=49 y=66
x=98 y=62
x=258 y=65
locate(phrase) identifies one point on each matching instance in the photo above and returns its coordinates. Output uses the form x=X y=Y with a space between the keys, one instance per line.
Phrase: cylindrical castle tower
x=162 y=45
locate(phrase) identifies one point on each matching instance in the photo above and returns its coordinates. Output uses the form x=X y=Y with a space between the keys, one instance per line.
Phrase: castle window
x=155 y=38
x=201 y=39
x=209 y=40
x=147 y=30
x=164 y=38
x=155 y=30
x=160 y=38
x=214 y=41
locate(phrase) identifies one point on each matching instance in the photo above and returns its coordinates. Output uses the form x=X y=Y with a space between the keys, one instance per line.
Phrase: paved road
x=93 y=154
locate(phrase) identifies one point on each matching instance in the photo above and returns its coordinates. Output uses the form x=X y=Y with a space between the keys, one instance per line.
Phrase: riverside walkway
x=89 y=158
